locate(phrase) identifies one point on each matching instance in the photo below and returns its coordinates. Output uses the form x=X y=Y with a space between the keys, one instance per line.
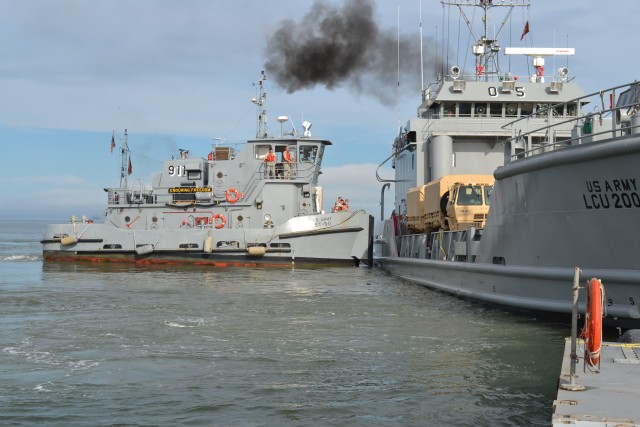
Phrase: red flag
x=525 y=31
x=113 y=143
x=130 y=167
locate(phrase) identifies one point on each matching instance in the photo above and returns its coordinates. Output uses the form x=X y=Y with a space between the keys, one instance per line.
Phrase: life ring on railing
x=233 y=195
x=593 y=332
x=214 y=220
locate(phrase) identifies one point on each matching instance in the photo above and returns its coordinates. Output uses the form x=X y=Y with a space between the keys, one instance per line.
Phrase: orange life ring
x=236 y=195
x=217 y=217
x=593 y=321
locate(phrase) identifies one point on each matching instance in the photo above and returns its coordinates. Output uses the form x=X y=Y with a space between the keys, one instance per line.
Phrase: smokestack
x=336 y=47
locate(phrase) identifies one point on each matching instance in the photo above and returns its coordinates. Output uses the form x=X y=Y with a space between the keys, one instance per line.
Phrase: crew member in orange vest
x=270 y=160
x=288 y=162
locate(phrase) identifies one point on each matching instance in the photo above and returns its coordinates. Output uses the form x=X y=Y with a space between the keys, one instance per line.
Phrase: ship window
x=495 y=109
x=488 y=190
x=469 y=195
x=558 y=111
x=511 y=110
x=449 y=110
x=480 y=109
x=526 y=109
x=308 y=153
x=542 y=110
x=571 y=110
x=261 y=151
x=195 y=174
x=465 y=109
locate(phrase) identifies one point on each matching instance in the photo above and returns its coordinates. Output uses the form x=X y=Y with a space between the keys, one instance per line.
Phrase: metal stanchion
x=572 y=386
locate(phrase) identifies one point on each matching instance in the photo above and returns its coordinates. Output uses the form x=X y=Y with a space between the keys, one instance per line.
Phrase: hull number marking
x=179 y=170
x=323 y=221
x=493 y=91
x=611 y=194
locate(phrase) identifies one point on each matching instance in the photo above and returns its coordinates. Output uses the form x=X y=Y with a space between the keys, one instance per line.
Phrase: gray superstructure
x=566 y=191
x=231 y=208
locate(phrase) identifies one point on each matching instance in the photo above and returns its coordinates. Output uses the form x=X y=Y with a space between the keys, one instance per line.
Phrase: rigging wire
x=458 y=42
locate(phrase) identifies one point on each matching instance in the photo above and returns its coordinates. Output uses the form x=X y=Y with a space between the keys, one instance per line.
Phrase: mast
x=125 y=164
x=261 y=107
x=487 y=48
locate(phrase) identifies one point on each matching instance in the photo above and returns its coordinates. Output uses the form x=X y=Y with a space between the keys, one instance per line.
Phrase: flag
x=130 y=167
x=113 y=142
x=525 y=31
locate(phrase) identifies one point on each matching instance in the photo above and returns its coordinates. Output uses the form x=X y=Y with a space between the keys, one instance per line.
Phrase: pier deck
x=610 y=398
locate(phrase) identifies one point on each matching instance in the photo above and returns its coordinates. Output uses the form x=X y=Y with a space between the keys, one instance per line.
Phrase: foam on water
x=20 y=258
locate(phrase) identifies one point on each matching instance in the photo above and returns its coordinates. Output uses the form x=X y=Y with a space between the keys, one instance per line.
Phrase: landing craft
x=564 y=191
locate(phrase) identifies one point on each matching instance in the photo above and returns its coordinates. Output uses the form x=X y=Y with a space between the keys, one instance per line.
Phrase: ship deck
x=610 y=397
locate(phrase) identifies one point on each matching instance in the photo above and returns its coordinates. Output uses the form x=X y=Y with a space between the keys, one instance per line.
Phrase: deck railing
x=624 y=118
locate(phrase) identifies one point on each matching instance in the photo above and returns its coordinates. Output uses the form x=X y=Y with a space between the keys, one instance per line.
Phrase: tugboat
x=257 y=206
x=503 y=185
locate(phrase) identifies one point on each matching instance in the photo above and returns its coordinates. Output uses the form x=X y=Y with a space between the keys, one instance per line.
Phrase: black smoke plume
x=334 y=46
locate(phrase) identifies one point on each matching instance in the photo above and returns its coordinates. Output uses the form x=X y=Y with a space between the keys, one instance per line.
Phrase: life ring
x=214 y=220
x=233 y=195
x=593 y=333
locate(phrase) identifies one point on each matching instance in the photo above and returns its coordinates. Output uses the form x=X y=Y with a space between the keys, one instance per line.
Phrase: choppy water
x=124 y=345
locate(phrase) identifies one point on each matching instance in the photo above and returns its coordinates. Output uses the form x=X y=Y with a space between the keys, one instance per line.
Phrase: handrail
x=518 y=132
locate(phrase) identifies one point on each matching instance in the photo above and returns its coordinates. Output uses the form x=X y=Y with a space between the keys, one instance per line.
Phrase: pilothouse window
x=449 y=110
x=526 y=109
x=481 y=109
x=308 y=153
x=261 y=151
x=465 y=109
x=558 y=111
x=495 y=109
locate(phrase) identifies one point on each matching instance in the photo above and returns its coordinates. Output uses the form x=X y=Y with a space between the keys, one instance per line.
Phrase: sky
x=179 y=73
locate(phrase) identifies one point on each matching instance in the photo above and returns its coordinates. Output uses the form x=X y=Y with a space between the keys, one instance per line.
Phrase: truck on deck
x=452 y=202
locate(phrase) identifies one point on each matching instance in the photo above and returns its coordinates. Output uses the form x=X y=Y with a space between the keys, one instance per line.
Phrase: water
x=123 y=345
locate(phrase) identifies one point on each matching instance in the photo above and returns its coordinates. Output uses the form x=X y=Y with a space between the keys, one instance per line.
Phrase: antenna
x=282 y=120
x=398 y=87
x=421 y=58
x=294 y=132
